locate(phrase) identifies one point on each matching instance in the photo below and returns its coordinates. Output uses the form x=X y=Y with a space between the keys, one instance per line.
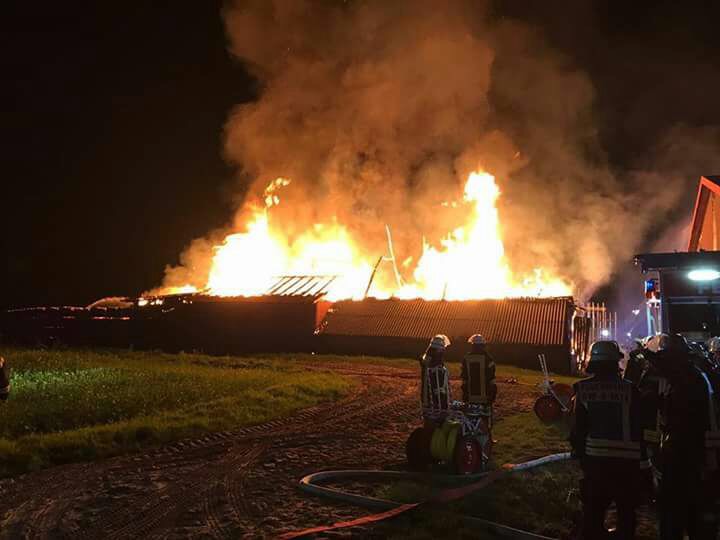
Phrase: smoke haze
x=378 y=111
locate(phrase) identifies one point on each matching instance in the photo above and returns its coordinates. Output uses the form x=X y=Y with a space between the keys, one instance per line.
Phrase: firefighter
x=606 y=438
x=4 y=380
x=713 y=346
x=435 y=378
x=653 y=389
x=689 y=442
x=481 y=366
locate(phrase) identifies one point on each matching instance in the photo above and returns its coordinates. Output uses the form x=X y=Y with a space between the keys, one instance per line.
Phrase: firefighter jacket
x=478 y=378
x=434 y=382
x=607 y=420
x=690 y=436
x=654 y=392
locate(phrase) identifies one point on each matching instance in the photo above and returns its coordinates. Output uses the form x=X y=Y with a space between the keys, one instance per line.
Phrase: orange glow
x=469 y=263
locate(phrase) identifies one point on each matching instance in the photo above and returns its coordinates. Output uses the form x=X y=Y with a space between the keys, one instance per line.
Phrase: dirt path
x=232 y=484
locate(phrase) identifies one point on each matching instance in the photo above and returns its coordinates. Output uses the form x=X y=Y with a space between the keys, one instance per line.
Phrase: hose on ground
x=389 y=509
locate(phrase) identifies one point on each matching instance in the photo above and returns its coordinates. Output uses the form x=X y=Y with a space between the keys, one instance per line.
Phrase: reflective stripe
x=610 y=443
x=650 y=435
x=612 y=452
x=611 y=448
x=439 y=391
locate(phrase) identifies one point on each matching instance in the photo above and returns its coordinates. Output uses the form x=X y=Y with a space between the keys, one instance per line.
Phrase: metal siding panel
x=508 y=321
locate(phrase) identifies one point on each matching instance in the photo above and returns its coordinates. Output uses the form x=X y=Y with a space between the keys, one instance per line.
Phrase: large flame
x=469 y=263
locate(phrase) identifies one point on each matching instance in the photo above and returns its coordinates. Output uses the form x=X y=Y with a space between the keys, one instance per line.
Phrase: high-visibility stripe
x=651 y=435
x=612 y=452
x=440 y=389
x=612 y=448
x=609 y=443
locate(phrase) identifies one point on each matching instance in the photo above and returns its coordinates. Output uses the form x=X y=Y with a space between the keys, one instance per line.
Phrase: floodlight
x=703 y=274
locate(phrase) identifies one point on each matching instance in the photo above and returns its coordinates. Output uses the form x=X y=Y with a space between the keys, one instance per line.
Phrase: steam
x=378 y=111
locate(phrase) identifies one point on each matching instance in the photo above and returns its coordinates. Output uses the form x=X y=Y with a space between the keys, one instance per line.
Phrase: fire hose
x=390 y=509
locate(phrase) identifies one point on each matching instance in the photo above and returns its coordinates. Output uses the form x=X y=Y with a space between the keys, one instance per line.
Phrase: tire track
x=148 y=494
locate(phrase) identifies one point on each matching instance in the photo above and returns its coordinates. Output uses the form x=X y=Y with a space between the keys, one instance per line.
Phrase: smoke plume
x=378 y=110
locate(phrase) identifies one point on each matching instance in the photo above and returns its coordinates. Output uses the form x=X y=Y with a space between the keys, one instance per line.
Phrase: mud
x=236 y=484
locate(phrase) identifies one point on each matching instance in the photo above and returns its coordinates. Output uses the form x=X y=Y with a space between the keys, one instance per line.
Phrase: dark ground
x=232 y=484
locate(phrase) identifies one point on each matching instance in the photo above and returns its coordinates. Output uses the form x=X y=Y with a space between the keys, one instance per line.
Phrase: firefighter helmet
x=669 y=343
x=476 y=339
x=652 y=343
x=440 y=341
x=605 y=354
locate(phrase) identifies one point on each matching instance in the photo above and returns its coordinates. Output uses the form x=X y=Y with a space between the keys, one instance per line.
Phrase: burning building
x=334 y=295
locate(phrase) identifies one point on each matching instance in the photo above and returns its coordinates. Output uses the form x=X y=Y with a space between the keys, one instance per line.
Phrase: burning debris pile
x=469 y=263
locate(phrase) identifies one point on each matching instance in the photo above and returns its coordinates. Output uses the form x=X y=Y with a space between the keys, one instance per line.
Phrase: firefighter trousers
x=605 y=482
x=687 y=503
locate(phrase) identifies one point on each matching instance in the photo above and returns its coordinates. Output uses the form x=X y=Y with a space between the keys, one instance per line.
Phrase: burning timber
x=297 y=318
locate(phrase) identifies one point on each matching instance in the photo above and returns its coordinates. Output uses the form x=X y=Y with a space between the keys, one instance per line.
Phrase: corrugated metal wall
x=527 y=321
x=517 y=329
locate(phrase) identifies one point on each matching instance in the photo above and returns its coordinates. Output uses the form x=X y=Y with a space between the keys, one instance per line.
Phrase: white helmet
x=476 y=339
x=440 y=341
x=713 y=344
x=667 y=342
x=653 y=343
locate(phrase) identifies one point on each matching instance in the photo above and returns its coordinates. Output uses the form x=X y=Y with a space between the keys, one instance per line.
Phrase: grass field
x=77 y=405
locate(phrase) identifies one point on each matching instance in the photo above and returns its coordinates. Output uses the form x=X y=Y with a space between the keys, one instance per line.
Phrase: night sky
x=112 y=128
